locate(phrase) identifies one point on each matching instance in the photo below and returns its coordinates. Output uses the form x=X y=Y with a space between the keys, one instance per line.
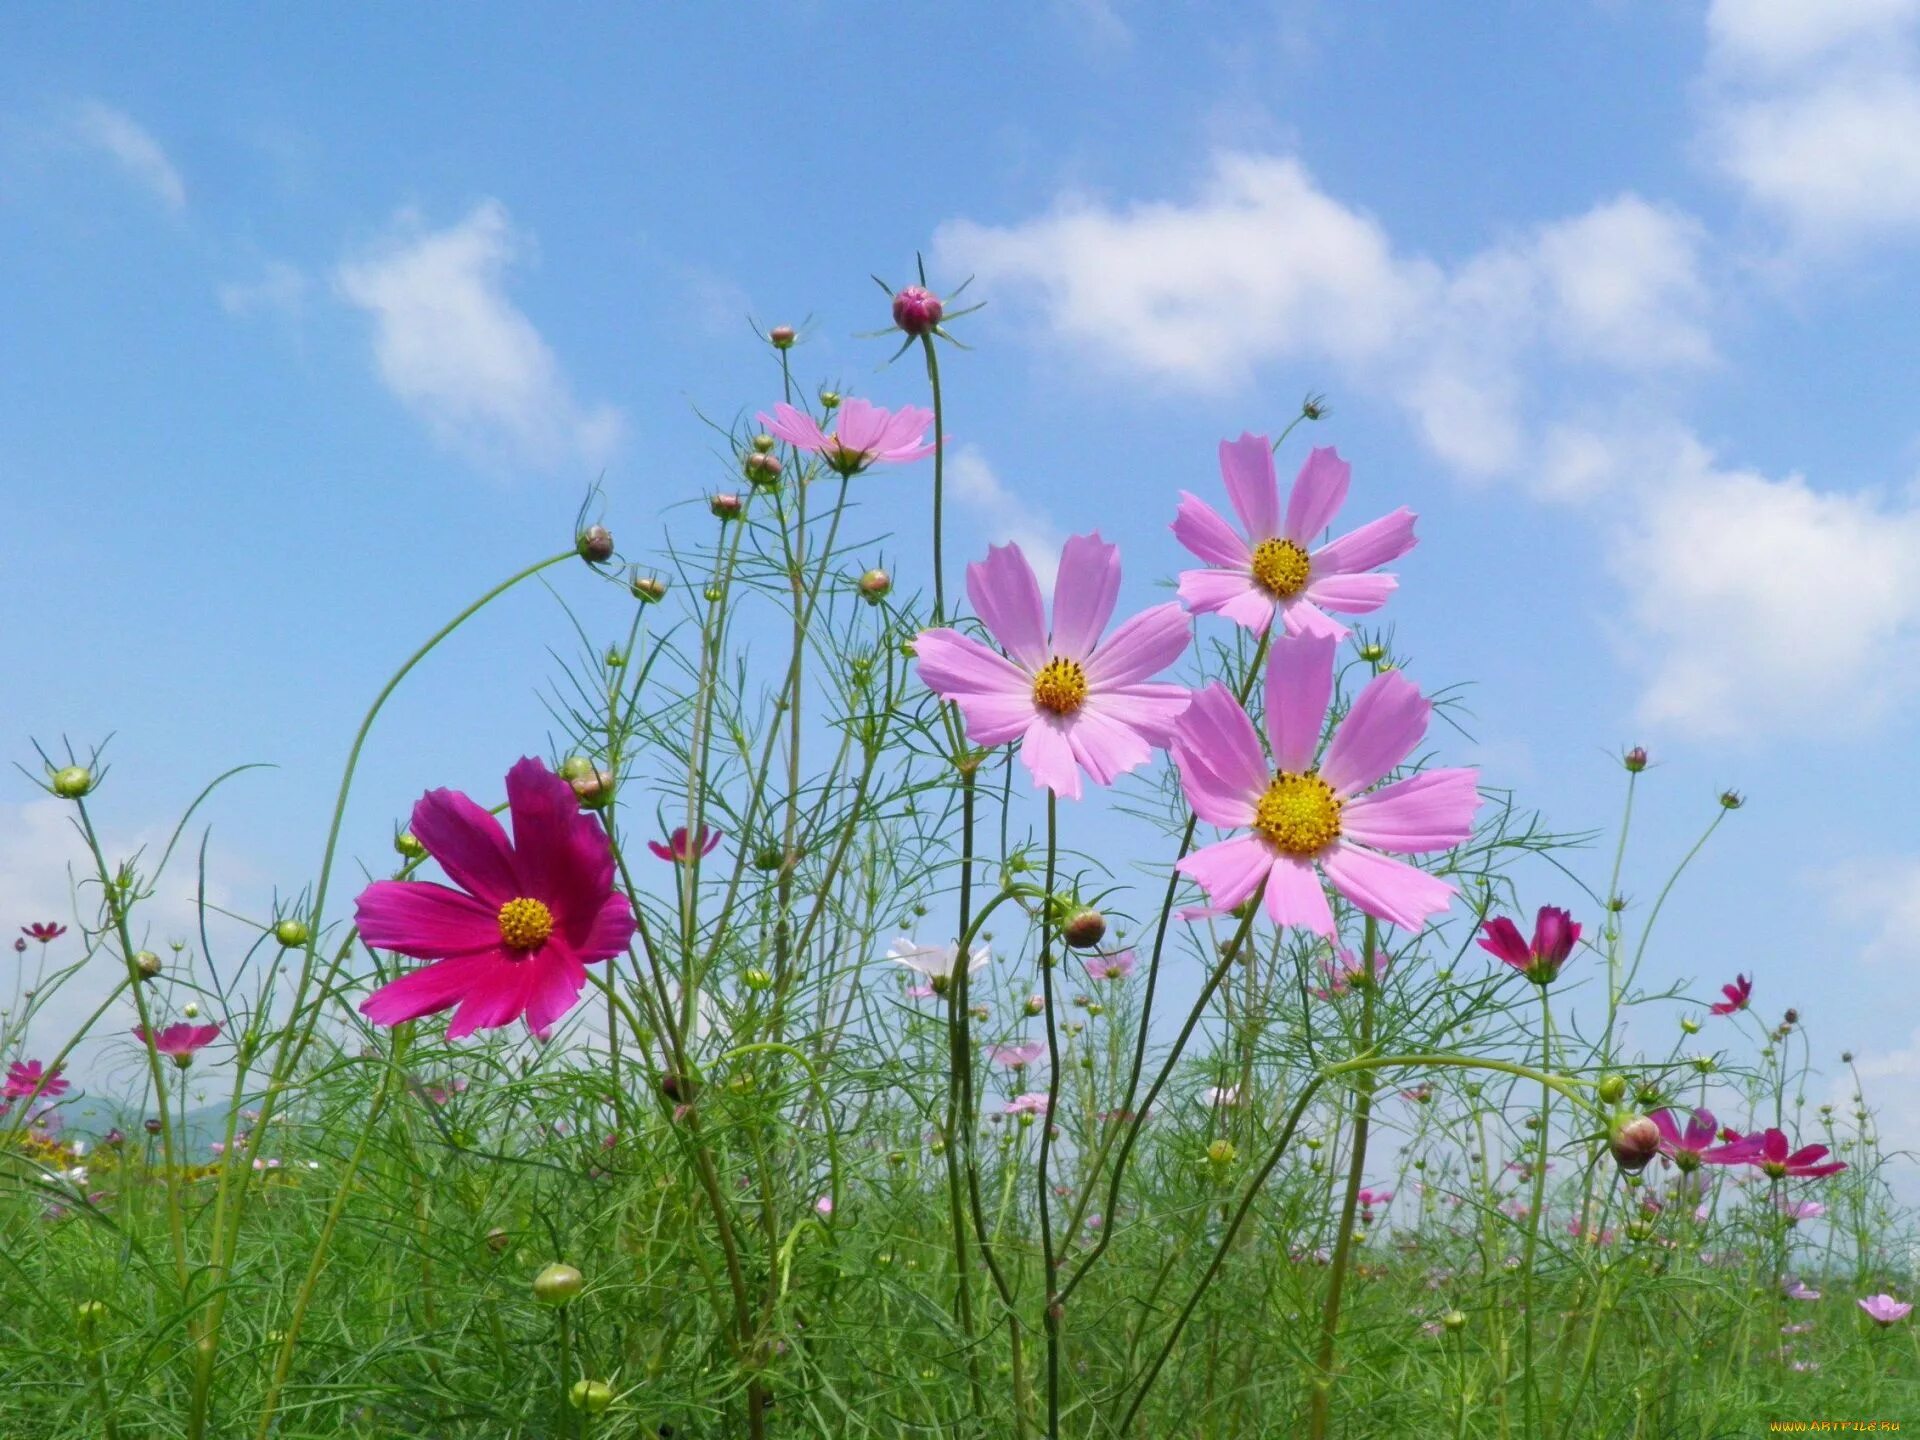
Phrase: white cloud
x=1623 y=285
x=133 y=149
x=1004 y=515
x=458 y=353
x=1774 y=36
x=1766 y=602
x=279 y=289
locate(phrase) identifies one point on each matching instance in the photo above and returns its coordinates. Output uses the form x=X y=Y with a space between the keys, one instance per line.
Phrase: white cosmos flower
x=936 y=962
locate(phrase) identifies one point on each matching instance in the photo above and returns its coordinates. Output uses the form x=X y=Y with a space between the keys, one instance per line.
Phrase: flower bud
x=1454 y=1320
x=191 y=1010
x=146 y=964
x=762 y=470
x=20 y=945
x=575 y=767
x=592 y=1396
x=594 y=791
x=498 y=1240
x=1221 y=1153
x=647 y=588
x=1689 y=1025
x=70 y=782
x=917 y=310
x=90 y=1312
x=762 y=443
x=408 y=844
x=557 y=1284
x=678 y=1088
x=1613 y=1088
x=1373 y=653
x=1635 y=760
x=874 y=586
x=782 y=337
x=1634 y=1141
x=595 y=544
x=829 y=399
x=1036 y=1004
x=1084 y=929
x=758 y=979
x=726 y=507
x=1314 y=407
x=291 y=932
x=1732 y=799
x=153 y=1126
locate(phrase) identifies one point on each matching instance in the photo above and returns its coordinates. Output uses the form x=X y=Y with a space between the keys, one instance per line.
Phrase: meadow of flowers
x=920 y=1004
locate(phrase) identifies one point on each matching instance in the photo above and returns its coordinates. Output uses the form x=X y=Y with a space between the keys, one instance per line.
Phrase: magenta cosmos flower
x=178 y=1042
x=1074 y=701
x=1738 y=995
x=1693 y=1147
x=45 y=931
x=1773 y=1155
x=1304 y=814
x=1268 y=569
x=677 y=848
x=1555 y=933
x=530 y=914
x=30 y=1077
x=867 y=435
x=1884 y=1309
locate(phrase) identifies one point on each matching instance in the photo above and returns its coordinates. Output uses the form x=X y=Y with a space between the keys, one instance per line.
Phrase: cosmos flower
x=1268 y=570
x=1306 y=813
x=677 y=849
x=1738 y=994
x=1555 y=933
x=1799 y=1290
x=1690 y=1148
x=935 y=962
x=28 y=1077
x=1033 y=1102
x=178 y=1042
x=1344 y=971
x=1018 y=1055
x=45 y=931
x=1112 y=967
x=530 y=914
x=1771 y=1154
x=1884 y=1309
x=867 y=435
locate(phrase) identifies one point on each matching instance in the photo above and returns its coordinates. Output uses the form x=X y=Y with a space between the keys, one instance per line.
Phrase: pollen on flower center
x=1280 y=568
x=525 y=924
x=1060 y=686
x=1298 y=814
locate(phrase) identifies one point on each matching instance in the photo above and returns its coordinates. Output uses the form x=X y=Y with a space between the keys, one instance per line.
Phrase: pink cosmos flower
x=1268 y=570
x=1032 y=1103
x=1074 y=701
x=1112 y=967
x=1884 y=1309
x=1799 y=1290
x=1344 y=971
x=867 y=435
x=1018 y=1055
x=29 y=1077
x=677 y=848
x=530 y=914
x=1691 y=1148
x=1797 y=1210
x=1555 y=933
x=1304 y=814
x=1737 y=995
x=1775 y=1157
x=178 y=1042
x=1370 y=1198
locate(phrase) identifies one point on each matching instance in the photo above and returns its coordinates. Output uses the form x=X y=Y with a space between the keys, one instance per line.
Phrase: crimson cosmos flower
x=1738 y=994
x=677 y=848
x=1773 y=1154
x=1555 y=933
x=178 y=1042
x=28 y=1077
x=43 y=931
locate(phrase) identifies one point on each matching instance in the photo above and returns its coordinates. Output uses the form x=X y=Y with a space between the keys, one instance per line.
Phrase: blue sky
x=316 y=327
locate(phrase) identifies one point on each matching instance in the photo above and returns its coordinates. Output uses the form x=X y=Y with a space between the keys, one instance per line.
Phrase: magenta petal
x=1246 y=465
x=1143 y=646
x=469 y=844
x=1352 y=594
x=555 y=989
x=994 y=695
x=1375 y=543
x=1380 y=731
x=1503 y=939
x=1295 y=897
x=1006 y=597
x=1318 y=493
x=429 y=989
x=1386 y=889
x=498 y=997
x=1084 y=592
x=1429 y=811
x=608 y=933
x=1299 y=687
x=1049 y=758
x=1229 y=871
x=1221 y=765
x=1700 y=1130
x=564 y=856
x=1204 y=531
x=1669 y=1131
x=425 y=920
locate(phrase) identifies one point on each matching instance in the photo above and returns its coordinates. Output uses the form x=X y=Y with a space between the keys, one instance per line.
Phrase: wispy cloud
x=457 y=352
x=1004 y=514
x=137 y=153
x=279 y=289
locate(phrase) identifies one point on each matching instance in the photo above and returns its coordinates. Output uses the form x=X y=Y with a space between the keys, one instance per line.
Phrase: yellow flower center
x=525 y=924
x=1280 y=568
x=1298 y=815
x=1060 y=686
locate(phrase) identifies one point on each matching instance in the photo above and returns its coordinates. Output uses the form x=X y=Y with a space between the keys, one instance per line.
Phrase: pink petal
x=1143 y=646
x=429 y=989
x=1295 y=896
x=1375 y=543
x=555 y=990
x=859 y=424
x=1385 y=723
x=1049 y=758
x=1201 y=528
x=1231 y=593
x=1105 y=747
x=1246 y=465
x=1429 y=811
x=1299 y=687
x=904 y=430
x=1006 y=597
x=564 y=856
x=1318 y=493
x=1083 y=594
x=1221 y=765
x=1303 y=617
x=1152 y=710
x=425 y=920
x=607 y=933
x=1352 y=594
x=1229 y=871
x=795 y=427
x=994 y=695
x=1387 y=889
x=469 y=844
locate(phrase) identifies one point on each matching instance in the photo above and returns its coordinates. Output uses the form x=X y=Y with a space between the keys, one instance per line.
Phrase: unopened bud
x=1613 y=1088
x=498 y=1240
x=782 y=337
x=592 y=1396
x=1689 y=1025
x=1373 y=654
x=1221 y=1153
x=146 y=963
x=829 y=399
x=758 y=979
x=917 y=310
x=1635 y=759
x=71 y=782
x=1732 y=799
x=1634 y=1141
x=557 y=1284
x=727 y=507
x=1454 y=1320
x=1035 y=1004
x=594 y=791
x=874 y=586
x=595 y=544
x=1084 y=929
x=762 y=470
x=153 y=1126
x=291 y=932
x=762 y=443
x=408 y=844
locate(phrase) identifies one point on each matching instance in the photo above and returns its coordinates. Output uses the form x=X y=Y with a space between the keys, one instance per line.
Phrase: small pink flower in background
x=1076 y=702
x=1738 y=995
x=677 y=849
x=1798 y=1210
x=867 y=435
x=1798 y=1290
x=824 y=1205
x=1884 y=1309
x=1265 y=569
x=1018 y=1056
x=1344 y=971
x=1418 y=1095
x=1802 y=1328
x=19 y=946
x=45 y=931
x=1033 y=1103
x=1555 y=933
x=1773 y=1155
x=1112 y=967
x=1370 y=1198
x=1305 y=814
x=1222 y=1095
x=30 y=1077
x=1687 y=1148
x=530 y=914
x=178 y=1042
